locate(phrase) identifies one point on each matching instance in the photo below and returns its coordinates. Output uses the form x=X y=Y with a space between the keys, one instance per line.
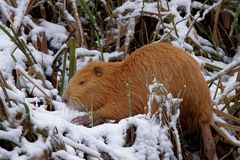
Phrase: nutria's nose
x=64 y=99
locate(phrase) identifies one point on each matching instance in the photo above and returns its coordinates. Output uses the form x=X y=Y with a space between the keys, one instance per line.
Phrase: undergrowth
x=208 y=29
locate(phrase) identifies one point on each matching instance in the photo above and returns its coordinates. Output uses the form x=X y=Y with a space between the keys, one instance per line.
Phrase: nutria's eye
x=81 y=82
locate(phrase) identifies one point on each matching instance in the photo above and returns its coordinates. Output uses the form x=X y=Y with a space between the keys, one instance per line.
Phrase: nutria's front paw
x=82 y=120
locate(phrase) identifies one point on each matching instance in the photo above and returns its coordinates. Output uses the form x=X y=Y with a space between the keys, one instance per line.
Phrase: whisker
x=77 y=102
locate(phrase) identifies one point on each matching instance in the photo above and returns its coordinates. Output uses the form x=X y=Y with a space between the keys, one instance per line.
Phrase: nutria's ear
x=98 y=71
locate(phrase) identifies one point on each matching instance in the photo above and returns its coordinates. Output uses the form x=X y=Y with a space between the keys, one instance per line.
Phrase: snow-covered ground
x=99 y=142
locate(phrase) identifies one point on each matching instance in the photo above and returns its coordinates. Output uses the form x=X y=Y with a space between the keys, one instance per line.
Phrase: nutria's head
x=90 y=86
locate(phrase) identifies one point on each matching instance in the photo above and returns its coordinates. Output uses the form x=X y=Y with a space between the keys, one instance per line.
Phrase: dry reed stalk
x=56 y=143
x=172 y=29
x=218 y=86
x=78 y=26
x=226 y=116
x=42 y=11
x=226 y=70
x=3 y=113
x=31 y=81
x=118 y=37
x=160 y=20
x=114 y=38
x=224 y=97
x=13 y=3
x=43 y=43
x=222 y=134
x=229 y=126
x=227 y=154
x=225 y=32
x=53 y=9
x=216 y=19
x=21 y=17
x=194 y=20
x=30 y=6
x=3 y=85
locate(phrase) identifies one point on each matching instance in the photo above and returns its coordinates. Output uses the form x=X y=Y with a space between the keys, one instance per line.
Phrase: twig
x=30 y=80
x=79 y=146
x=118 y=37
x=20 y=13
x=225 y=115
x=216 y=24
x=173 y=23
x=229 y=126
x=171 y=30
x=235 y=21
x=129 y=97
x=79 y=33
x=3 y=85
x=4 y=7
x=222 y=134
x=218 y=86
x=224 y=97
x=159 y=5
x=58 y=54
x=226 y=70
x=3 y=111
x=195 y=19
x=226 y=155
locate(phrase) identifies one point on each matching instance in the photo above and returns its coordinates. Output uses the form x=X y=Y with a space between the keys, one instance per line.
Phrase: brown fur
x=104 y=85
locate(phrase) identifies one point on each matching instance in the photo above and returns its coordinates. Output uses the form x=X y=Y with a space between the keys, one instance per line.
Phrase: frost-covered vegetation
x=43 y=42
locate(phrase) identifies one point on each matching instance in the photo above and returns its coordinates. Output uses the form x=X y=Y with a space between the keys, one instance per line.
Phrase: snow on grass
x=226 y=70
x=35 y=31
x=7 y=64
x=134 y=8
x=5 y=9
x=93 y=55
x=151 y=138
x=20 y=12
x=5 y=41
x=56 y=34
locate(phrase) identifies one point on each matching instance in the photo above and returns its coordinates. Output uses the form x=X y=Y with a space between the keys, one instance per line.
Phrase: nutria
x=101 y=86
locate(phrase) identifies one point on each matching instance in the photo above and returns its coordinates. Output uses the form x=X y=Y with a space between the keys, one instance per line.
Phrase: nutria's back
x=177 y=70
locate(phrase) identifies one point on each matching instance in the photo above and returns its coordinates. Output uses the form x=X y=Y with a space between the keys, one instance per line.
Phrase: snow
x=230 y=66
x=65 y=155
x=35 y=31
x=93 y=55
x=57 y=34
x=147 y=135
x=5 y=40
x=5 y=9
x=12 y=134
x=152 y=135
x=7 y=64
x=20 y=12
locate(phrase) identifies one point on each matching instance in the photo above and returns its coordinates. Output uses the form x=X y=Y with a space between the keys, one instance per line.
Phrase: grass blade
x=27 y=112
x=72 y=66
x=235 y=21
x=63 y=71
